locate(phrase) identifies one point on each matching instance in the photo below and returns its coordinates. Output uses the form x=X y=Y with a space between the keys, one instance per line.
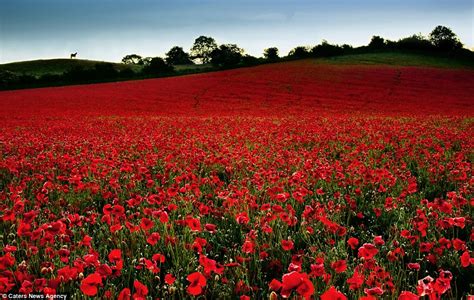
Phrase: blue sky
x=110 y=29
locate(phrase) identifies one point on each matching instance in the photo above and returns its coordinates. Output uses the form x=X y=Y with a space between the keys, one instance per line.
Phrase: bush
x=325 y=50
x=158 y=66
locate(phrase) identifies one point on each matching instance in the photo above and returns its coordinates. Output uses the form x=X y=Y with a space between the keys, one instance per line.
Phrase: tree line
x=205 y=50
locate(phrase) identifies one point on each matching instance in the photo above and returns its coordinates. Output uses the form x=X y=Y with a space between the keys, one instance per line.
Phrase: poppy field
x=292 y=180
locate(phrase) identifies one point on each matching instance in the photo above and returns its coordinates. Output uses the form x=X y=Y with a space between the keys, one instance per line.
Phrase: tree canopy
x=271 y=53
x=227 y=55
x=177 y=56
x=445 y=39
x=202 y=48
x=132 y=59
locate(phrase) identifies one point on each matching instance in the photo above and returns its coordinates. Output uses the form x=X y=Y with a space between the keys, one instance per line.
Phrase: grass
x=400 y=59
x=58 y=66
x=55 y=66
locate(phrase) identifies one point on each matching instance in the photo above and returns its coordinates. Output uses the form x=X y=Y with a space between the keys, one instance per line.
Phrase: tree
x=415 y=42
x=227 y=55
x=158 y=65
x=443 y=38
x=377 y=42
x=177 y=56
x=325 y=50
x=299 y=52
x=132 y=59
x=271 y=53
x=202 y=48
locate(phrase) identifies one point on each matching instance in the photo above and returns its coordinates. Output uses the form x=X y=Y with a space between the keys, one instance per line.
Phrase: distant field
x=59 y=66
x=400 y=59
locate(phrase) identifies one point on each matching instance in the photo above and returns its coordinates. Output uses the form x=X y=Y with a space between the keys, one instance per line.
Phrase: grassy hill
x=56 y=66
x=60 y=65
x=400 y=59
x=38 y=68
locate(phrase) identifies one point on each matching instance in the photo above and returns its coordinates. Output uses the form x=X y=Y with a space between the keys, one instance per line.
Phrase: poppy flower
x=275 y=285
x=146 y=224
x=140 y=290
x=356 y=281
x=115 y=255
x=287 y=245
x=299 y=282
x=367 y=251
x=333 y=294
x=153 y=238
x=405 y=295
x=353 y=243
x=90 y=283
x=194 y=224
x=339 y=266
x=169 y=279
x=196 y=283
x=465 y=259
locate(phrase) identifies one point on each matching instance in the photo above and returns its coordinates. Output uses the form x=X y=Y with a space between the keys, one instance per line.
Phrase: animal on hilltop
x=73 y=55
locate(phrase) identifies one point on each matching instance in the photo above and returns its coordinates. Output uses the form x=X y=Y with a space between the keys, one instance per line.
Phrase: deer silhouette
x=73 y=55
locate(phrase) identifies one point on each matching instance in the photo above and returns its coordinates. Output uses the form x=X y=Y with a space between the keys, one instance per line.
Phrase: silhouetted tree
x=177 y=56
x=443 y=38
x=299 y=52
x=227 y=55
x=271 y=53
x=377 y=42
x=325 y=49
x=158 y=65
x=416 y=42
x=132 y=59
x=202 y=48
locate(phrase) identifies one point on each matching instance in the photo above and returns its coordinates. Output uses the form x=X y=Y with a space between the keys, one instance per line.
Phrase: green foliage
x=177 y=56
x=443 y=38
x=271 y=53
x=227 y=55
x=158 y=65
x=202 y=48
x=325 y=49
x=377 y=42
x=132 y=59
x=300 y=52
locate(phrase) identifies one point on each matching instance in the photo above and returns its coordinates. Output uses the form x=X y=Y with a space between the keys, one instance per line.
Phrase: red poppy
x=356 y=281
x=196 y=283
x=140 y=290
x=275 y=285
x=333 y=294
x=169 y=279
x=90 y=283
x=153 y=238
x=194 y=224
x=367 y=251
x=287 y=245
x=299 y=282
x=115 y=255
x=339 y=266
x=125 y=294
x=405 y=295
x=248 y=247
x=353 y=242
x=146 y=224
x=465 y=259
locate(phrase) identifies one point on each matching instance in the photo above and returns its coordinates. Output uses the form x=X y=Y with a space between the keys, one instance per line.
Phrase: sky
x=110 y=29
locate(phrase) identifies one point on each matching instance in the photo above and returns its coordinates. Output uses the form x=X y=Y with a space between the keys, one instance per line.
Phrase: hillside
x=59 y=66
x=55 y=66
x=296 y=87
x=268 y=175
